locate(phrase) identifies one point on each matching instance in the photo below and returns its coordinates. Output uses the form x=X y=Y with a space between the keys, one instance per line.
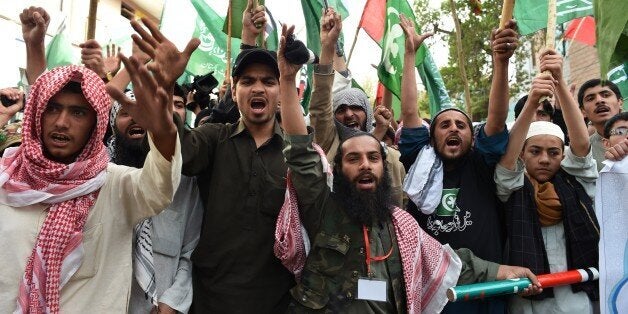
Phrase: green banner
x=531 y=15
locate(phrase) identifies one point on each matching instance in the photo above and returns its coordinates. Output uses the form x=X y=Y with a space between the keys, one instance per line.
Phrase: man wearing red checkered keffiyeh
x=68 y=214
x=36 y=173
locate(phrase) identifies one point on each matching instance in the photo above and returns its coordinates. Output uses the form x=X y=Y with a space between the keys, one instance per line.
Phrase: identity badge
x=372 y=289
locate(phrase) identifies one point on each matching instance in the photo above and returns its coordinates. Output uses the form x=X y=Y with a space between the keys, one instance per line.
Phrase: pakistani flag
x=312 y=10
x=531 y=15
x=211 y=54
x=619 y=76
x=611 y=30
x=59 y=50
x=391 y=66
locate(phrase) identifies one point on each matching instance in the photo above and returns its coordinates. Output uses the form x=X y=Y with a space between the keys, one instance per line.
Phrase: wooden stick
x=91 y=19
x=550 y=34
x=355 y=39
x=507 y=8
x=229 y=21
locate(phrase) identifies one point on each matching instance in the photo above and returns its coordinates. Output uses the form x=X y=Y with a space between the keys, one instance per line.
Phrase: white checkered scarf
x=28 y=177
x=429 y=268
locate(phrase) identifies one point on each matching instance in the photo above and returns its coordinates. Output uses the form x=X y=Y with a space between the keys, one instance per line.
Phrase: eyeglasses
x=621 y=131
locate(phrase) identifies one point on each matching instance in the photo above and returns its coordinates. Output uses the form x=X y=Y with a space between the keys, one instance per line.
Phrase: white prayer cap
x=545 y=128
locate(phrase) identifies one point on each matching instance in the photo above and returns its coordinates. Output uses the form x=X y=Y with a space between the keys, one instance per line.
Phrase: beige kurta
x=103 y=282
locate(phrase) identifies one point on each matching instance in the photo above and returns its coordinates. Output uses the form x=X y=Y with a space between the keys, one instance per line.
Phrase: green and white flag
x=531 y=15
x=211 y=54
x=619 y=76
x=59 y=50
x=312 y=10
x=391 y=66
x=611 y=30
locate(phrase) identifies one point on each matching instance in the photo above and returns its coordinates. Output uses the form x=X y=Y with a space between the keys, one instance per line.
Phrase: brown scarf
x=547 y=203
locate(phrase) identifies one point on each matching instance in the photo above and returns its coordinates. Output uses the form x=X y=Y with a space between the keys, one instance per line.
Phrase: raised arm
x=291 y=115
x=504 y=42
x=409 y=108
x=321 y=113
x=253 y=23
x=35 y=23
x=122 y=79
x=542 y=85
x=577 y=130
x=7 y=112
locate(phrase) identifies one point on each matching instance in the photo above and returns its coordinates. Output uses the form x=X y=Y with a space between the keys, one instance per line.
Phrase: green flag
x=390 y=67
x=312 y=11
x=531 y=15
x=619 y=76
x=430 y=76
x=611 y=30
x=59 y=50
x=236 y=10
x=211 y=53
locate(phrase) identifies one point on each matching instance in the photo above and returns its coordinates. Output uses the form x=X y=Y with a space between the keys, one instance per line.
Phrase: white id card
x=372 y=289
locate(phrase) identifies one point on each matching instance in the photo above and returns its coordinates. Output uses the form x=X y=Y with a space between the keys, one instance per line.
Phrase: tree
x=476 y=30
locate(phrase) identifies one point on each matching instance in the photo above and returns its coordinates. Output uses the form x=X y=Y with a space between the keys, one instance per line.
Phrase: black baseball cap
x=255 y=55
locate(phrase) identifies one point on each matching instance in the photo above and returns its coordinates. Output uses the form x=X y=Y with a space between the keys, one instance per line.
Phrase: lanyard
x=367 y=245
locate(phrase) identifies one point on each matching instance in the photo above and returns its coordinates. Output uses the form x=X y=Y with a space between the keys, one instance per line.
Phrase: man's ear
x=584 y=113
x=606 y=143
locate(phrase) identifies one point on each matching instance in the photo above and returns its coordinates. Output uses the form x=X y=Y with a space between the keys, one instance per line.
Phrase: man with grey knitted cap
x=349 y=107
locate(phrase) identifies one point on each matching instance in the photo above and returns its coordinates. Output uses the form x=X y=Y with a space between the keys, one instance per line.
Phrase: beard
x=364 y=207
x=129 y=152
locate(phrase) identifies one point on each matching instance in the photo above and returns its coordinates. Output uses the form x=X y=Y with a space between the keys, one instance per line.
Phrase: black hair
x=622 y=116
x=596 y=82
x=434 y=122
x=547 y=107
x=72 y=87
x=338 y=157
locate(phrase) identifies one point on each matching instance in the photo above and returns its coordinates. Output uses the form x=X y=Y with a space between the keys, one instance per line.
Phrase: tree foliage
x=476 y=32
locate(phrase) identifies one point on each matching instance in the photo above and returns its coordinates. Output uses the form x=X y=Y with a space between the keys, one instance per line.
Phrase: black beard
x=364 y=207
x=129 y=152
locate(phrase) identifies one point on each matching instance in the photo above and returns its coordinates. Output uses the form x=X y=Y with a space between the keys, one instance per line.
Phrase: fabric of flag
x=531 y=15
x=271 y=32
x=611 y=19
x=59 y=50
x=373 y=19
x=390 y=68
x=619 y=76
x=437 y=94
x=211 y=54
x=312 y=10
x=582 y=30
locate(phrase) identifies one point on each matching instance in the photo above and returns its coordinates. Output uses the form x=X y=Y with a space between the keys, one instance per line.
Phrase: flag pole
x=550 y=34
x=355 y=39
x=91 y=19
x=229 y=19
x=506 y=13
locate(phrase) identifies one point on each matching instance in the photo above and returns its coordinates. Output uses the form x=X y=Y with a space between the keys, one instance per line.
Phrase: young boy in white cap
x=548 y=191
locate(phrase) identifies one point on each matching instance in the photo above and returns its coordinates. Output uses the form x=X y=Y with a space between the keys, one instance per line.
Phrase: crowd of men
x=110 y=201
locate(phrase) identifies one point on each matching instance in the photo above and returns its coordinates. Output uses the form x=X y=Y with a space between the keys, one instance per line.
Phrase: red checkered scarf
x=429 y=268
x=28 y=177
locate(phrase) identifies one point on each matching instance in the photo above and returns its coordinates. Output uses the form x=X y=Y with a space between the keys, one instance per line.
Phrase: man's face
x=542 y=115
x=352 y=116
x=179 y=106
x=257 y=94
x=615 y=139
x=542 y=155
x=599 y=104
x=362 y=162
x=126 y=127
x=67 y=124
x=453 y=136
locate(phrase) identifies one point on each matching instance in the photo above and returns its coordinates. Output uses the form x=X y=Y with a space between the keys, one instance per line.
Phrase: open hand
x=413 y=40
x=168 y=62
x=35 y=23
x=505 y=41
x=111 y=60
